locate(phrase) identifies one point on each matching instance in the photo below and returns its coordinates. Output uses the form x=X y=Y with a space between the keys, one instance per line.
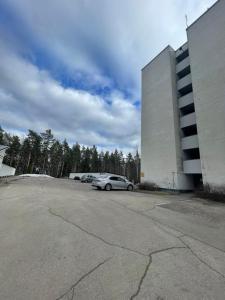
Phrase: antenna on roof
x=186 y=19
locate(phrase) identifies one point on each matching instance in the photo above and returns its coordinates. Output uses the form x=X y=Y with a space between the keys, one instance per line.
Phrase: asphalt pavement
x=60 y=239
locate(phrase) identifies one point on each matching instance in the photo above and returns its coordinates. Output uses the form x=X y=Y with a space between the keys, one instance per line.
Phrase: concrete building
x=4 y=169
x=183 y=109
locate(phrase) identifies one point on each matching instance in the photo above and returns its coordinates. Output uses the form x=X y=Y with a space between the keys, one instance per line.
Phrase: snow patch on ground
x=36 y=175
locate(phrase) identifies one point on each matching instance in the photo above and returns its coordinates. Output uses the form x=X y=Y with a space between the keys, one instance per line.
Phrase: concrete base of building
x=175 y=182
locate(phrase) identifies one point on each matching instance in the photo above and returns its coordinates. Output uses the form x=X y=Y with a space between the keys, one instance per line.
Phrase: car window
x=120 y=179
x=113 y=178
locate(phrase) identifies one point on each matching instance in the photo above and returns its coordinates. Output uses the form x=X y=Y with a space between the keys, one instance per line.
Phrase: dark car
x=87 y=178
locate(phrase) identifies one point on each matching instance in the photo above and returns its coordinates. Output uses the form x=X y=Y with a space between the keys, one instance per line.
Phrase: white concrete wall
x=188 y=120
x=192 y=166
x=181 y=83
x=206 y=39
x=183 y=64
x=72 y=175
x=2 y=154
x=190 y=142
x=160 y=140
x=6 y=170
x=185 y=100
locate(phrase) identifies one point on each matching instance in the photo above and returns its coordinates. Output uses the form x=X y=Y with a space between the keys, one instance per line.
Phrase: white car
x=110 y=182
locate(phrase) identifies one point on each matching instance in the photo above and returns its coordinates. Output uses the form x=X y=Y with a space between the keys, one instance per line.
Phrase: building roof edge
x=168 y=46
x=203 y=14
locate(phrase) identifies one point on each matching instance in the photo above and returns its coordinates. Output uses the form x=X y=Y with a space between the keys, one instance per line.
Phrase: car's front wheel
x=130 y=187
x=108 y=187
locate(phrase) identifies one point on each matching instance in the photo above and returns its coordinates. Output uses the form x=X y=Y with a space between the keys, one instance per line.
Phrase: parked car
x=83 y=177
x=76 y=178
x=87 y=178
x=110 y=182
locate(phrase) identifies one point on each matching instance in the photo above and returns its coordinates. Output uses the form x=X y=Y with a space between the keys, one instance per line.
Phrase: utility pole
x=186 y=20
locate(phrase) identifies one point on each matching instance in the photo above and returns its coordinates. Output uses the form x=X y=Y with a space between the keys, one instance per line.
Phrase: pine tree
x=47 y=141
x=112 y=163
x=138 y=166
x=106 y=161
x=95 y=162
x=1 y=136
x=12 y=153
x=76 y=158
x=25 y=156
x=117 y=162
x=129 y=166
x=56 y=154
x=35 y=145
x=66 y=159
x=101 y=162
x=6 y=139
x=85 y=159
x=122 y=164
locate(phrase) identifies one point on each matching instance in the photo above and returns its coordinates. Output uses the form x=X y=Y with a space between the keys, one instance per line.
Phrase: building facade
x=183 y=109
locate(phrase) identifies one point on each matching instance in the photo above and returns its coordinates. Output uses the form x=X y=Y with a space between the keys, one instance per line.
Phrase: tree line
x=44 y=154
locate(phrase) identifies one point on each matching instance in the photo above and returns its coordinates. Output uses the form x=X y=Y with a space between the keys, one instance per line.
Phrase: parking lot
x=61 y=239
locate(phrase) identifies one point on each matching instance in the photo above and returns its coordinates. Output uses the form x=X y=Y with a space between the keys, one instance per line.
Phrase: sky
x=75 y=65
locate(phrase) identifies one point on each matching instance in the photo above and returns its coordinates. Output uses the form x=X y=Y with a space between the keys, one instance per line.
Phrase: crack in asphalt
x=72 y=294
x=182 y=233
x=114 y=245
x=72 y=288
x=95 y=235
x=200 y=259
x=159 y=224
x=156 y=222
x=148 y=267
x=142 y=278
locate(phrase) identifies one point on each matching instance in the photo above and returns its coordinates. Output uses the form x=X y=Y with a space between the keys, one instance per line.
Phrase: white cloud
x=108 y=39
x=31 y=99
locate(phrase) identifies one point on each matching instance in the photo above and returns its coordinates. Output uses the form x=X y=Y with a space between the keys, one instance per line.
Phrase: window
x=113 y=178
x=184 y=72
x=183 y=55
x=188 y=109
x=185 y=90
x=120 y=179
x=190 y=130
x=189 y=154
